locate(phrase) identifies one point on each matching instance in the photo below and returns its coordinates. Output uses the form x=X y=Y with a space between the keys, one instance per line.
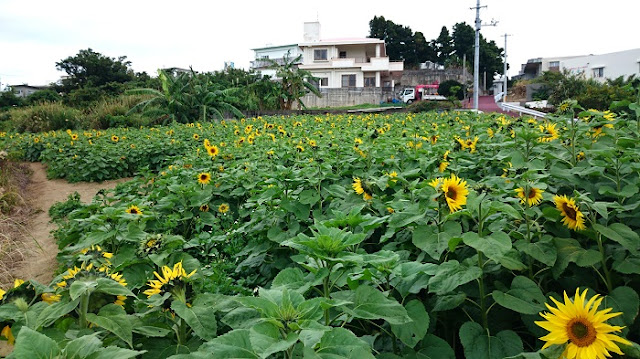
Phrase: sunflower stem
x=84 y=308
x=526 y=218
x=603 y=257
x=483 y=304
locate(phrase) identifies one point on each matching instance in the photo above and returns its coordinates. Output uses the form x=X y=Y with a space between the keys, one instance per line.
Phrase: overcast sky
x=35 y=34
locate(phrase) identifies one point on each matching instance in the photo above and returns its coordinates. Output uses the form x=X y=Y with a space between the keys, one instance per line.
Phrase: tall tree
x=92 y=69
x=443 y=45
x=401 y=42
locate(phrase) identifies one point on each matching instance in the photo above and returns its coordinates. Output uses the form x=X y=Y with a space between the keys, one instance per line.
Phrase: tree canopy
x=92 y=69
x=448 y=48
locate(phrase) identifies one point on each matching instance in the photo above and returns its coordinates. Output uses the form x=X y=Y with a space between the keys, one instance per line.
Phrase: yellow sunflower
x=114 y=138
x=360 y=189
x=166 y=279
x=533 y=197
x=204 y=208
x=204 y=177
x=134 y=210
x=6 y=332
x=213 y=150
x=50 y=298
x=571 y=215
x=196 y=136
x=455 y=192
x=583 y=326
x=223 y=208
x=549 y=132
x=443 y=166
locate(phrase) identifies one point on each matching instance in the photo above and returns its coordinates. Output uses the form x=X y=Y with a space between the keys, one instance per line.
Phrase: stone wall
x=411 y=78
x=337 y=97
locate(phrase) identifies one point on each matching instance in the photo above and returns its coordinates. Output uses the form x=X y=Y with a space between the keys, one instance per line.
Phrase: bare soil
x=39 y=248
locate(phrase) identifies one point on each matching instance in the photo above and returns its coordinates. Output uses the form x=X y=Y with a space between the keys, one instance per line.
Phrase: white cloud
x=34 y=34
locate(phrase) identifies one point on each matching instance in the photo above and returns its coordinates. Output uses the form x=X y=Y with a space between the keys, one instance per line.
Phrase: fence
x=351 y=96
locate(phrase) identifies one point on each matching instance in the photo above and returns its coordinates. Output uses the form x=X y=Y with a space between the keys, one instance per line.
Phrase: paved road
x=487 y=104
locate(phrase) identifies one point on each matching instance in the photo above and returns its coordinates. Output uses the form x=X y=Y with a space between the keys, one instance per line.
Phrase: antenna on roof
x=317 y=16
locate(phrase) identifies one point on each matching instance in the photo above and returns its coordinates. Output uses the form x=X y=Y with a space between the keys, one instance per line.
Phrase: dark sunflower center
x=581 y=332
x=569 y=211
x=203 y=177
x=134 y=211
x=532 y=193
x=451 y=193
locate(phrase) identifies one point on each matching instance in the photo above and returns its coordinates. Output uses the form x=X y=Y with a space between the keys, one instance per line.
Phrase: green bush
x=451 y=88
x=425 y=106
x=46 y=117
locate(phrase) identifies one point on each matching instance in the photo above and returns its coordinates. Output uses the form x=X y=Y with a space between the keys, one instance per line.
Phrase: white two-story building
x=337 y=63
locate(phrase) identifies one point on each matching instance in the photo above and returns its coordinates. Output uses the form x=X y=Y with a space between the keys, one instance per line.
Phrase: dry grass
x=14 y=214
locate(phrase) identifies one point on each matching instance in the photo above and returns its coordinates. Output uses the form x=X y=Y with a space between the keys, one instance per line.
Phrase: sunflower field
x=342 y=236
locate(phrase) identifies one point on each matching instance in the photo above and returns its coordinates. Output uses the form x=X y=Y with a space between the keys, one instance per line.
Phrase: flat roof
x=274 y=47
x=344 y=41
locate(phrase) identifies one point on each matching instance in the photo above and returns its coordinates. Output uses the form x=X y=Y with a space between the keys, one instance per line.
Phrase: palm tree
x=184 y=98
x=294 y=82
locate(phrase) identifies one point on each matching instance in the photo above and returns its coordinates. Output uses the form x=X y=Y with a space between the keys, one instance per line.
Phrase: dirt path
x=40 y=247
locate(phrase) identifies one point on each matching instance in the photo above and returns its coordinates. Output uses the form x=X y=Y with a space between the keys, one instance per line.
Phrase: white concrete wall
x=278 y=53
x=615 y=64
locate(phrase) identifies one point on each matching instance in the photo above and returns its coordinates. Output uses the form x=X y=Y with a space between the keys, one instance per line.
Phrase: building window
x=320 y=55
x=598 y=72
x=369 y=82
x=348 y=80
x=554 y=64
x=343 y=55
x=323 y=81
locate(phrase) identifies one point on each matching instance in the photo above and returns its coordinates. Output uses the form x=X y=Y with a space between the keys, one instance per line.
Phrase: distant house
x=599 y=67
x=337 y=63
x=277 y=54
x=348 y=62
x=25 y=90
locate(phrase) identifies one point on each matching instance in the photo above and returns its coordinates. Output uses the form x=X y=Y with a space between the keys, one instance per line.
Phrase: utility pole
x=504 y=88
x=476 y=58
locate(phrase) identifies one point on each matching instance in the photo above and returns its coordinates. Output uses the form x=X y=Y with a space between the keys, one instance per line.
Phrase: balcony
x=363 y=63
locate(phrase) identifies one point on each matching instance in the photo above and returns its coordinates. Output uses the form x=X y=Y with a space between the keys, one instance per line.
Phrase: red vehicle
x=422 y=92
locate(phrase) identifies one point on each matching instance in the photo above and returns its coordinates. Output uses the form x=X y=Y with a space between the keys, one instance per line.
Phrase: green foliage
x=401 y=42
x=186 y=97
x=293 y=82
x=9 y=99
x=41 y=96
x=615 y=95
x=90 y=69
x=425 y=106
x=451 y=88
x=46 y=116
x=295 y=258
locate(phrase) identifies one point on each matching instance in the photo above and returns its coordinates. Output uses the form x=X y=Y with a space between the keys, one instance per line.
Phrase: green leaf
x=114 y=319
x=309 y=197
x=494 y=246
x=432 y=241
x=451 y=275
x=370 y=303
x=339 y=343
x=569 y=250
x=478 y=344
x=266 y=339
x=523 y=297
x=448 y=301
x=412 y=332
x=151 y=331
x=293 y=279
x=82 y=347
x=623 y=299
x=236 y=344
x=622 y=234
x=110 y=286
x=201 y=319
x=115 y=353
x=81 y=287
x=33 y=345
x=54 y=312
x=543 y=250
x=434 y=347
